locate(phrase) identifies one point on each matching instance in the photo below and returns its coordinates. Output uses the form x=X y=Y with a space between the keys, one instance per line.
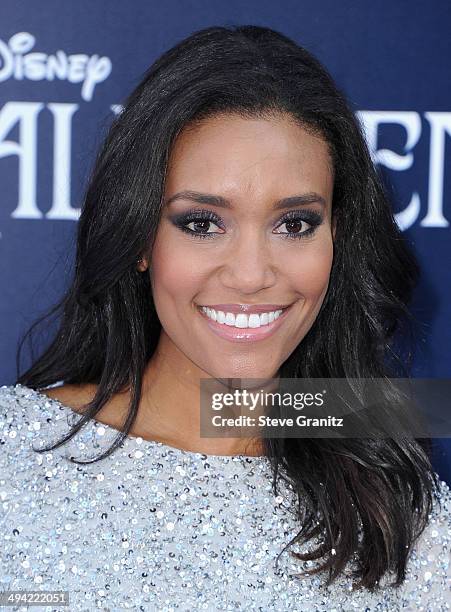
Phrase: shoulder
x=71 y=395
x=16 y=403
x=428 y=574
x=20 y=404
x=30 y=420
x=21 y=411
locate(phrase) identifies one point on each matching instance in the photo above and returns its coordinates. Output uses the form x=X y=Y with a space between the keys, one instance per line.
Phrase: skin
x=252 y=163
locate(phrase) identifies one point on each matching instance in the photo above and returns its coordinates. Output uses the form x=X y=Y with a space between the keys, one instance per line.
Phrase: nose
x=248 y=267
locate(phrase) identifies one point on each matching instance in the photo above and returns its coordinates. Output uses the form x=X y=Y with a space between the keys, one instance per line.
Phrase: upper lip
x=246 y=308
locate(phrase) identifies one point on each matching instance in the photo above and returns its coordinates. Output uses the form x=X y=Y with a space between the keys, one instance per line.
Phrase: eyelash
x=313 y=218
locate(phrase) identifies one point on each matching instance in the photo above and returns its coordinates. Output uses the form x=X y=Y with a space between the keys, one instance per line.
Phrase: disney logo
x=16 y=62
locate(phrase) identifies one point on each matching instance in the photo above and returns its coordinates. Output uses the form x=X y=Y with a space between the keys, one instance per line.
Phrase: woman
x=233 y=227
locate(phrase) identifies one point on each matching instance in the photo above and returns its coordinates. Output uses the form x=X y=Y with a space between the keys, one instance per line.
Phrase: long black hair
x=109 y=327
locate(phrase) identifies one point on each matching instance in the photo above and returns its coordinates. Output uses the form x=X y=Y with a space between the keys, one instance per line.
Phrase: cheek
x=309 y=270
x=176 y=274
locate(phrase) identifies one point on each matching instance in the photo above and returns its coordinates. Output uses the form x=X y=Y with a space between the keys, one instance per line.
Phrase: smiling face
x=258 y=256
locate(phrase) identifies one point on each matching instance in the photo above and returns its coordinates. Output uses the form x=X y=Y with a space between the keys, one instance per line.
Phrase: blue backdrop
x=65 y=68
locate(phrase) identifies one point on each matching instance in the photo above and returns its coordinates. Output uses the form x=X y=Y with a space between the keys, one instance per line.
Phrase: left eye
x=293 y=226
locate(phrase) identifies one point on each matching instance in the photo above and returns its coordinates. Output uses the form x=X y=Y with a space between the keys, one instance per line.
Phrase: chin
x=240 y=370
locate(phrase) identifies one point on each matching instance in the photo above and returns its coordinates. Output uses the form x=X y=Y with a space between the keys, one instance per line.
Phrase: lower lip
x=247 y=334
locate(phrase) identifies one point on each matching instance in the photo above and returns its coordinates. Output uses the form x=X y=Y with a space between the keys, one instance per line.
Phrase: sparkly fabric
x=157 y=528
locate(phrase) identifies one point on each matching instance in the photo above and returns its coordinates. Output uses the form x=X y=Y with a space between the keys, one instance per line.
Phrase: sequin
x=157 y=528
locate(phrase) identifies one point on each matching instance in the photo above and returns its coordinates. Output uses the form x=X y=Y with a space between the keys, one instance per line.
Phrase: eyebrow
x=221 y=202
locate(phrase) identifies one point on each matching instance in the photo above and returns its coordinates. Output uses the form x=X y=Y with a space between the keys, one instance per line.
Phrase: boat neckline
x=143 y=441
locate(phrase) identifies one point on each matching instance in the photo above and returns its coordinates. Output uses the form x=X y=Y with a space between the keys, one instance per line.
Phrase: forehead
x=235 y=156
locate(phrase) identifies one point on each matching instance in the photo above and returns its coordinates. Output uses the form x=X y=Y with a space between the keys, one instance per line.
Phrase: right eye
x=200 y=226
x=200 y=222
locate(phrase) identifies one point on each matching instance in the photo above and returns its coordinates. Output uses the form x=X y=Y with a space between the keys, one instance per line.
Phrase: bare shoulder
x=75 y=396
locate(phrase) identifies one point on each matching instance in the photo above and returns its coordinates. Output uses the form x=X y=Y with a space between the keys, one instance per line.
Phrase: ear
x=334 y=226
x=142 y=265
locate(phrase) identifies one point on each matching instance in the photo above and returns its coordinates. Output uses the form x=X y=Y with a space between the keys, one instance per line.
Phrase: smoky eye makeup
x=296 y=220
x=201 y=220
x=298 y=223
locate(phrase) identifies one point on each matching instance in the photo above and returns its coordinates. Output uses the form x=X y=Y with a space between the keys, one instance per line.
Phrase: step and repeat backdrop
x=66 y=67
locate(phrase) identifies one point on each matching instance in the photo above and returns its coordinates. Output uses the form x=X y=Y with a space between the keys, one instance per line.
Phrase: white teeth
x=230 y=319
x=220 y=316
x=254 y=320
x=264 y=318
x=241 y=320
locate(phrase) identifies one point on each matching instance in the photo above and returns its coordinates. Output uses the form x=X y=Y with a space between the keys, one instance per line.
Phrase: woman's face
x=246 y=231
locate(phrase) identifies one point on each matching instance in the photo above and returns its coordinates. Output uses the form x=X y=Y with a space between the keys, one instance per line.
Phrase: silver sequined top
x=157 y=528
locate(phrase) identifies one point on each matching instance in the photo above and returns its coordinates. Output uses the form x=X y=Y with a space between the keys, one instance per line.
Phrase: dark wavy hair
x=109 y=328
